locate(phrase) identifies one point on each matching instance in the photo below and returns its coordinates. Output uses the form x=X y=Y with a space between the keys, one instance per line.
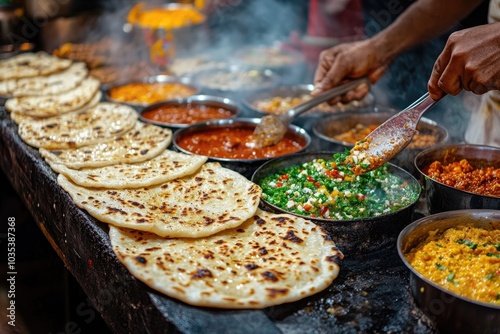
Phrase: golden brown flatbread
x=268 y=260
x=101 y=123
x=167 y=166
x=201 y=204
x=143 y=142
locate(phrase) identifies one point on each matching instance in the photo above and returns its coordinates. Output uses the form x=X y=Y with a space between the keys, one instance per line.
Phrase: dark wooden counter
x=370 y=295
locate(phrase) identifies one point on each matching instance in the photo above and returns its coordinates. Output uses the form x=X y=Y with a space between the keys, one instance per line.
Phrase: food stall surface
x=370 y=295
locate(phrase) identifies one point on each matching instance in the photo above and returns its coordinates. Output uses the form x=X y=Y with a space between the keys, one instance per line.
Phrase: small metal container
x=244 y=166
x=451 y=312
x=235 y=81
x=195 y=100
x=293 y=91
x=151 y=79
x=354 y=237
x=441 y=197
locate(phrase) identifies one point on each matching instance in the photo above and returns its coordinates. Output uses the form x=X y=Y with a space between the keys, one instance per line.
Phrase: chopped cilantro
x=468 y=243
x=439 y=266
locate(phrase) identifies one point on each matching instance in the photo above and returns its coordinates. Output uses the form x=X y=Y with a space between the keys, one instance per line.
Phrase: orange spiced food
x=462 y=175
x=149 y=93
x=230 y=143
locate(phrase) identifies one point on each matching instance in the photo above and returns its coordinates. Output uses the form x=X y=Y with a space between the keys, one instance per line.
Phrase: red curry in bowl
x=188 y=111
x=229 y=141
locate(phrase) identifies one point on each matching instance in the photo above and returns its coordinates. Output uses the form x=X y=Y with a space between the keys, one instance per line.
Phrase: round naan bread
x=167 y=166
x=201 y=204
x=30 y=64
x=53 y=105
x=142 y=143
x=101 y=123
x=268 y=260
x=52 y=84
x=20 y=117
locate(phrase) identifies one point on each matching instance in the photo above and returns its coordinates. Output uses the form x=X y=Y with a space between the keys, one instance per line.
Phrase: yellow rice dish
x=464 y=260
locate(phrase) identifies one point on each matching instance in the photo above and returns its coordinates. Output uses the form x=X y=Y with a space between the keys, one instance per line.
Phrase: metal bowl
x=244 y=166
x=235 y=81
x=451 y=312
x=292 y=91
x=197 y=100
x=441 y=197
x=150 y=79
x=334 y=125
x=354 y=237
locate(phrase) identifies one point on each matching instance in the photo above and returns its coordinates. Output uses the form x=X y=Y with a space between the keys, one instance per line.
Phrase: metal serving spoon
x=272 y=128
x=390 y=138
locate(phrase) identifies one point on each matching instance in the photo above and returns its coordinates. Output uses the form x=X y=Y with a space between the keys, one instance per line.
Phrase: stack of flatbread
x=188 y=228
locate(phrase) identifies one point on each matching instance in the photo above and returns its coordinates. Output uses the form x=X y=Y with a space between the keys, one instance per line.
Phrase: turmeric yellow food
x=464 y=260
x=148 y=93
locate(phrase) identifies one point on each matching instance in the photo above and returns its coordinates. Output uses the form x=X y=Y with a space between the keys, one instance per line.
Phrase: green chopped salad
x=329 y=189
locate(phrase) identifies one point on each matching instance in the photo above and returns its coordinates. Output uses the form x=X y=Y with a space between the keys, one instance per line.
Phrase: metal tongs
x=272 y=128
x=390 y=138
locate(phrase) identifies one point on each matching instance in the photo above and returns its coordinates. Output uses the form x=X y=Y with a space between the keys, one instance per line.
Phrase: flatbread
x=101 y=123
x=53 y=105
x=19 y=117
x=269 y=260
x=167 y=166
x=52 y=84
x=142 y=143
x=207 y=202
x=26 y=65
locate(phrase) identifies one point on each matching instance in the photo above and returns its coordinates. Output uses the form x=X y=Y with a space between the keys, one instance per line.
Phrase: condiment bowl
x=190 y=110
x=451 y=312
x=354 y=237
x=182 y=87
x=441 y=197
x=224 y=141
x=328 y=129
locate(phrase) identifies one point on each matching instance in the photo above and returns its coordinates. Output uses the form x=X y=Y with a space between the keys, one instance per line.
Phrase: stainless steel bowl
x=235 y=81
x=151 y=79
x=354 y=237
x=334 y=125
x=244 y=166
x=451 y=312
x=197 y=100
x=292 y=91
x=441 y=197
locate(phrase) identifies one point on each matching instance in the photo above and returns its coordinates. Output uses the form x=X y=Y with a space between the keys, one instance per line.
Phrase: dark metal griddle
x=371 y=295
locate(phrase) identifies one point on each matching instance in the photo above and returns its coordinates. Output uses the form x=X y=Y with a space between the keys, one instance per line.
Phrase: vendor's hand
x=347 y=61
x=470 y=60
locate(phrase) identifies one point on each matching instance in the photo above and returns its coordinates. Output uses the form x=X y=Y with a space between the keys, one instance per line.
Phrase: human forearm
x=422 y=21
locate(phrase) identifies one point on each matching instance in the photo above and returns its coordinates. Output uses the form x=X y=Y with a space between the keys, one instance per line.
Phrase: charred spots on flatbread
x=140 y=259
x=262 y=251
x=112 y=210
x=275 y=293
x=202 y=273
x=259 y=220
x=251 y=266
x=290 y=236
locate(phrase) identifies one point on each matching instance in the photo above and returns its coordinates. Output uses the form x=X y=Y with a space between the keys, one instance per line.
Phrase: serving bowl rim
x=407 y=230
x=225 y=102
x=233 y=121
x=442 y=147
x=343 y=221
